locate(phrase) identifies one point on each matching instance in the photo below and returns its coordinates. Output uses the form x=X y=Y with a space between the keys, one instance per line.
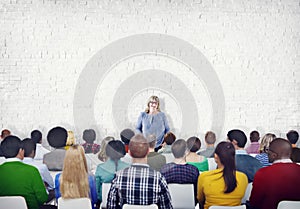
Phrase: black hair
x=10 y=146
x=89 y=135
x=226 y=154
x=239 y=136
x=292 y=136
x=193 y=144
x=28 y=145
x=57 y=137
x=126 y=135
x=36 y=136
x=115 y=150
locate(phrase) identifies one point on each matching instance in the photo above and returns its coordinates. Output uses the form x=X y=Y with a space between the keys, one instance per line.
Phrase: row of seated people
x=176 y=172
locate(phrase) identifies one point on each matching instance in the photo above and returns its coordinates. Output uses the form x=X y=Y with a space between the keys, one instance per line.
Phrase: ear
x=21 y=154
x=216 y=157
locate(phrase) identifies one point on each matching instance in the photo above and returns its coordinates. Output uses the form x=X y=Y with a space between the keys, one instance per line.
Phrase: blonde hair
x=102 y=153
x=71 y=139
x=265 y=142
x=74 y=178
x=152 y=99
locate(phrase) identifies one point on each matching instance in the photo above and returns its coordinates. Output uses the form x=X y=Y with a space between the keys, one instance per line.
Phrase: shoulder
x=241 y=175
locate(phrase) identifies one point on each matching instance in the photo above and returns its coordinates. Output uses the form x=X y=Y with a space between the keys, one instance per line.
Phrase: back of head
x=126 y=135
x=29 y=146
x=239 y=136
x=5 y=133
x=265 y=142
x=179 y=148
x=138 y=146
x=36 y=136
x=295 y=156
x=57 y=137
x=279 y=149
x=210 y=138
x=292 y=136
x=89 y=135
x=115 y=150
x=254 y=136
x=10 y=146
x=169 y=138
x=193 y=144
x=102 y=153
x=151 y=140
x=71 y=138
x=74 y=177
x=226 y=153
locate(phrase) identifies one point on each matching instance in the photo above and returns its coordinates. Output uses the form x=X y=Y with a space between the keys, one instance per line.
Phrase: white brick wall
x=253 y=47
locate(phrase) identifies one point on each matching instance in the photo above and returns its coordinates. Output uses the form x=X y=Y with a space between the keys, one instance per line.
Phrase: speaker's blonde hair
x=74 y=178
x=152 y=99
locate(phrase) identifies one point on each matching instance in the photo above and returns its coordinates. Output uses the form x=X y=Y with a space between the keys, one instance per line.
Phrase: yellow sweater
x=211 y=188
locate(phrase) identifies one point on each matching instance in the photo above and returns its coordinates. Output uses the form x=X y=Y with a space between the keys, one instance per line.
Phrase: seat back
x=228 y=207
x=169 y=157
x=212 y=165
x=17 y=202
x=105 y=191
x=76 y=203
x=247 y=193
x=182 y=196
x=153 y=206
x=287 y=204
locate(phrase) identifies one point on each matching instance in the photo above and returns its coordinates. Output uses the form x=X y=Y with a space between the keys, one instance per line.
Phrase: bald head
x=279 y=149
x=138 y=146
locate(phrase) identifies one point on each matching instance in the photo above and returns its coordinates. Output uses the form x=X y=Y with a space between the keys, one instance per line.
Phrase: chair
x=169 y=157
x=76 y=203
x=212 y=165
x=105 y=191
x=287 y=204
x=228 y=207
x=247 y=193
x=182 y=196
x=153 y=206
x=17 y=202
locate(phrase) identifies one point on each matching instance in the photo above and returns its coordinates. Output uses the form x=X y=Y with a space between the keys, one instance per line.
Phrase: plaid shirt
x=91 y=148
x=139 y=185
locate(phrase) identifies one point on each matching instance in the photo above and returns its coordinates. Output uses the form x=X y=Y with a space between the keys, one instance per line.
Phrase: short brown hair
x=169 y=138
x=138 y=146
x=193 y=144
x=210 y=137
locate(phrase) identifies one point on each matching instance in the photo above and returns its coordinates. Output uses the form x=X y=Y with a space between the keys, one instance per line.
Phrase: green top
x=20 y=179
x=202 y=166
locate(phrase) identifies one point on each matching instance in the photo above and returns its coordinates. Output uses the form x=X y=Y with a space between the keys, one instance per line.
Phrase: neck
x=209 y=145
x=151 y=149
x=140 y=160
x=180 y=161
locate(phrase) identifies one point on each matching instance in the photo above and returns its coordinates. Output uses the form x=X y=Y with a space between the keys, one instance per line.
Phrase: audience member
x=57 y=138
x=102 y=153
x=199 y=161
x=18 y=178
x=126 y=135
x=29 y=146
x=210 y=140
x=74 y=181
x=70 y=139
x=169 y=139
x=223 y=186
x=295 y=156
x=155 y=160
x=115 y=150
x=139 y=184
x=5 y=133
x=244 y=162
x=263 y=149
x=153 y=122
x=276 y=182
x=179 y=171
x=253 y=148
x=36 y=136
x=89 y=136
x=293 y=137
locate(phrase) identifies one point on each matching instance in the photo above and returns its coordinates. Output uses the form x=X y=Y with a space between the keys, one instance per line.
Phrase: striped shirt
x=263 y=159
x=139 y=185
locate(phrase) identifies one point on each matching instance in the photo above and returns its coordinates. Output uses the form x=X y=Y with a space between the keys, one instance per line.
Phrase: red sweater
x=280 y=181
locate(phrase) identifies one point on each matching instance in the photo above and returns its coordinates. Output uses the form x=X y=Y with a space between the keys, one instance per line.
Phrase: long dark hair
x=226 y=153
x=115 y=150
